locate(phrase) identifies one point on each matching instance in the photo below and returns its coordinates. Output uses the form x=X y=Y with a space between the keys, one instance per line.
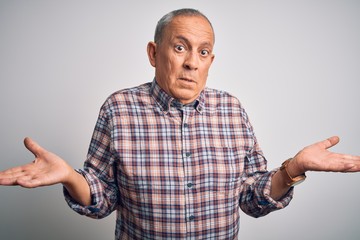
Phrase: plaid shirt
x=174 y=171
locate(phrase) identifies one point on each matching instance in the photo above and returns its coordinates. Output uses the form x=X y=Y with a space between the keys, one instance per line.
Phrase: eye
x=204 y=53
x=179 y=48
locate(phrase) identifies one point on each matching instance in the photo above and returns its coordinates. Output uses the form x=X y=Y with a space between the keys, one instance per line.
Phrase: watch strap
x=291 y=181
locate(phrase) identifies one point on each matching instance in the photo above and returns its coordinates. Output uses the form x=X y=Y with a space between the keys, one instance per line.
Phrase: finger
x=8 y=182
x=330 y=142
x=18 y=169
x=348 y=167
x=28 y=182
x=23 y=181
x=344 y=163
x=32 y=146
x=351 y=163
x=23 y=176
x=10 y=176
x=11 y=172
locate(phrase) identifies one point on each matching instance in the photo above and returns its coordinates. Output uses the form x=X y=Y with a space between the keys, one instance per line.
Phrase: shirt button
x=190 y=185
x=188 y=154
x=191 y=218
x=186 y=125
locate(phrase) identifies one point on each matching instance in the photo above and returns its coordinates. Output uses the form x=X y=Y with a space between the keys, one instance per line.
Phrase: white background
x=295 y=66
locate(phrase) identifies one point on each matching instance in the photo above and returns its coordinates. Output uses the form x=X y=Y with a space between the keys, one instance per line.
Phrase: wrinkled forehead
x=192 y=26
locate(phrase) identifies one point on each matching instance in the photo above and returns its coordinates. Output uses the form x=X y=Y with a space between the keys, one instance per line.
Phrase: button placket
x=187 y=158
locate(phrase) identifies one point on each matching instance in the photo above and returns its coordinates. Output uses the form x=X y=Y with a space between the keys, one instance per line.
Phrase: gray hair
x=165 y=20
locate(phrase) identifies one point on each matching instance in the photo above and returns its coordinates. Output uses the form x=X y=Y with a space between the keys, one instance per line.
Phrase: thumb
x=32 y=146
x=330 y=142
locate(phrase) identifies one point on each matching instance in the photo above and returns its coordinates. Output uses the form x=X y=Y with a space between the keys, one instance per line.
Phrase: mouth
x=187 y=79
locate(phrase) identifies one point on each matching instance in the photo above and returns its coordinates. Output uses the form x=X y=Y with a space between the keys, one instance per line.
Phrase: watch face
x=298 y=181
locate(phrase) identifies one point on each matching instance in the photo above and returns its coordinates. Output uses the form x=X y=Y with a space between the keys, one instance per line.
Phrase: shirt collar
x=166 y=101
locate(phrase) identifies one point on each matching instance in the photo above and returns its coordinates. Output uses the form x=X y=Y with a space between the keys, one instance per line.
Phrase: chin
x=185 y=99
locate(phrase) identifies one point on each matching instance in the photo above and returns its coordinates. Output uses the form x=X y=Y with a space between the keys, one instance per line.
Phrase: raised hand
x=317 y=157
x=46 y=169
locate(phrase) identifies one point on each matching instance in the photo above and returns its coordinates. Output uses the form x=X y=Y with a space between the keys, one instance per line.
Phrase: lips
x=187 y=79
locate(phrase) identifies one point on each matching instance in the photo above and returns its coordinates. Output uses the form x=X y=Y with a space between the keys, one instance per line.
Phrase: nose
x=191 y=61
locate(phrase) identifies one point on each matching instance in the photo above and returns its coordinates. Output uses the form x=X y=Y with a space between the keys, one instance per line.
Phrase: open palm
x=46 y=169
x=317 y=157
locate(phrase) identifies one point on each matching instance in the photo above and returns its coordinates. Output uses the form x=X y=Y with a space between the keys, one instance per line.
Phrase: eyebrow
x=180 y=37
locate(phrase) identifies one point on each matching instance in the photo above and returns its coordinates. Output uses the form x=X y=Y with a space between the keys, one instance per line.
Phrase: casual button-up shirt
x=174 y=171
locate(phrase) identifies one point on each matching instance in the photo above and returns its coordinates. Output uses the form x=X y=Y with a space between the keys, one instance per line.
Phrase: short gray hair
x=165 y=20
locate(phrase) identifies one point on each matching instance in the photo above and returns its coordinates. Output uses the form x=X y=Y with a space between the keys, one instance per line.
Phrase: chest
x=156 y=148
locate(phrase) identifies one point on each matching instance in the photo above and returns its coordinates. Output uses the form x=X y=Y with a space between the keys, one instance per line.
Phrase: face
x=183 y=58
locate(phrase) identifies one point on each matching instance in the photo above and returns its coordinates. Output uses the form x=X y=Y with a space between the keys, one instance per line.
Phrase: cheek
x=168 y=65
x=175 y=63
x=205 y=71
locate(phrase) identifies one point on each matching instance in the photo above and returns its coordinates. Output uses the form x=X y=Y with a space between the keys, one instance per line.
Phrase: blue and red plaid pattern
x=174 y=171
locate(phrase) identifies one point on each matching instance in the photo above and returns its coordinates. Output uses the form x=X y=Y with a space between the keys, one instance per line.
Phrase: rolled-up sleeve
x=99 y=171
x=255 y=197
x=255 y=190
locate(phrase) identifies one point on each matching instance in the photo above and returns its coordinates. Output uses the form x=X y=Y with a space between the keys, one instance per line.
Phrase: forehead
x=191 y=27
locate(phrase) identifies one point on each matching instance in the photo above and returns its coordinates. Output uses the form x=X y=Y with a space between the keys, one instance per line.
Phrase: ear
x=212 y=58
x=151 y=51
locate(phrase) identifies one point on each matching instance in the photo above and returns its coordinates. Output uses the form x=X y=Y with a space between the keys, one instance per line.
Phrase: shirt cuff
x=95 y=189
x=265 y=200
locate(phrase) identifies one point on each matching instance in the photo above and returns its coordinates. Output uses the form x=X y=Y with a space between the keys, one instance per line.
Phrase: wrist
x=295 y=168
x=291 y=173
x=71 y=178
x=78 y=188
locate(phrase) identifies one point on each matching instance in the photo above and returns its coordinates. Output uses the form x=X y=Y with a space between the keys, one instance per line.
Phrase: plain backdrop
x=294 y=65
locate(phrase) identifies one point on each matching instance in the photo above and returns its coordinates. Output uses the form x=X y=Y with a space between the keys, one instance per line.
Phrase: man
x=175 y=159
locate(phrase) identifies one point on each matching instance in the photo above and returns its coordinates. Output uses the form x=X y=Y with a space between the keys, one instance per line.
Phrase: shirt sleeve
x=255 y=197
x=99 y=171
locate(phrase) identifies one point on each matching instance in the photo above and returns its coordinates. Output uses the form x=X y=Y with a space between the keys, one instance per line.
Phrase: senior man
x=175 y=159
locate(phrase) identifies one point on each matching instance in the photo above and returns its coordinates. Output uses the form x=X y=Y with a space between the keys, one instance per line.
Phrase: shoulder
x=216 y=98
x=128 y=98
x=223 y=103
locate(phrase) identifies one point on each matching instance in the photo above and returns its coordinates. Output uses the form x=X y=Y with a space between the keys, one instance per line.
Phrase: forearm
x=78 y=188
x=278 y=186
x=255 y=199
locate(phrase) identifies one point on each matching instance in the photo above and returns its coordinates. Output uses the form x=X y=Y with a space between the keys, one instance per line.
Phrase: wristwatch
x=292 y=181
